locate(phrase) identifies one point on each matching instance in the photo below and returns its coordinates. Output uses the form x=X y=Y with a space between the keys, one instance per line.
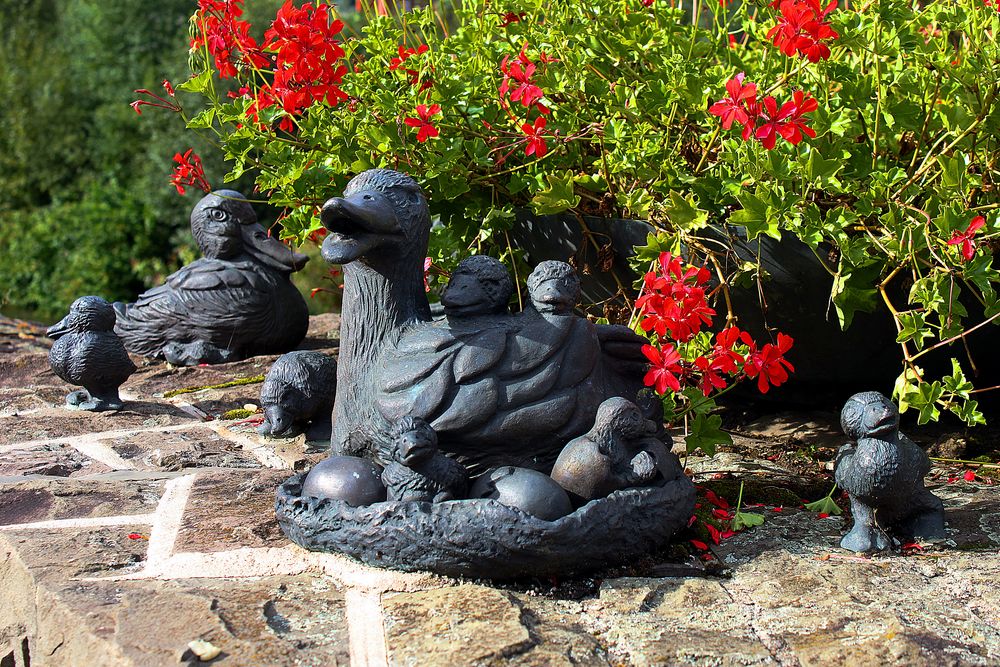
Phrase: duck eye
x=368 y=198
x=217 y=214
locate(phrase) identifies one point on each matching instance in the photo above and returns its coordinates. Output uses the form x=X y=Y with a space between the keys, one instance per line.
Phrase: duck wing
x=208 y=300
x=510 y=383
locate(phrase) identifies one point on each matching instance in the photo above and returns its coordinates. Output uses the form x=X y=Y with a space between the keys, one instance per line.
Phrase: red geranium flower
x=733 y=108
x=769 y=365
x=965 y=239
x=423 y=121
x=664 y=367
x=536 y=142
x=189 y=171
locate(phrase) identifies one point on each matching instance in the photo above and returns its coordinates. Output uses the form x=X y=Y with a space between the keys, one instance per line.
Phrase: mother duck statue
x=237 y=301
x=497 y=391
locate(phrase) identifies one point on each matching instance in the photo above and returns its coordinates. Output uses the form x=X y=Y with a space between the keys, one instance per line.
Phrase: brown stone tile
x=198 y=447
x=21 y=399
x=65 y=554
x=51 y=423
x=145 y=623
x=49 y=499
x=232 y=509
x=460 y=625
x=55 y=460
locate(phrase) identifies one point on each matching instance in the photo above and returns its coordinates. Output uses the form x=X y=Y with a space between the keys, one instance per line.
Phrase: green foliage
x=85 y=202
x=905 y=153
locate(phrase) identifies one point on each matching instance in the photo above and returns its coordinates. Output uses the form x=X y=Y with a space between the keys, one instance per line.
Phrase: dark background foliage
x=85 y=202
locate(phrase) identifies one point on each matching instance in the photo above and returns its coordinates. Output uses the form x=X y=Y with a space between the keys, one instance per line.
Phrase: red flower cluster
x=423 y=121
x=536 y=142
x=673 y=303
x=965 y=239
x=189 y=172
x=404 y=54
x=674 y=306
x=226 y=37
x=768 y=364
x=764 y=120
x=308 y=66
x=521 y=73
x=511 y=17
x=802 y=28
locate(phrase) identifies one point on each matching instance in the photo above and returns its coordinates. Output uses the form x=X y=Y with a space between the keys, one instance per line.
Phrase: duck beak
x=357 y=224
x=60 y=328
x=269 y=250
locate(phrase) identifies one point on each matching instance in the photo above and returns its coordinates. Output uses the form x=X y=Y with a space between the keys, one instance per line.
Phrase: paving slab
x=54 y=499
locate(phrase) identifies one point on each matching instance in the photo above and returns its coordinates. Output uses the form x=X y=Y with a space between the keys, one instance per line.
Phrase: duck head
x=623 y=418
x=415 y=441
x=381 y=209
x=225 y=226
x=869 y=414
x=88 y=313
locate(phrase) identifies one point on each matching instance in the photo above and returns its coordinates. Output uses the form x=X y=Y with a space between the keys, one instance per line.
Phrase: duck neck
x=381 y=299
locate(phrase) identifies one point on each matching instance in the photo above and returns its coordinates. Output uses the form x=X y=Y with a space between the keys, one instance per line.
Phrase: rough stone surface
x=457 y=625
x=124 y=537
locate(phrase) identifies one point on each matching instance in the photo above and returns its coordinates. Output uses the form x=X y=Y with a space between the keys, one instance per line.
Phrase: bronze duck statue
x=87 y=353
x=236 y=302
x=499 y=389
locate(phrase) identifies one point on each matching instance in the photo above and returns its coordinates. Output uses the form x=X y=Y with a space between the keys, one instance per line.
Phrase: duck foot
x=83 y=400
x=867 y=539
x=198 y=352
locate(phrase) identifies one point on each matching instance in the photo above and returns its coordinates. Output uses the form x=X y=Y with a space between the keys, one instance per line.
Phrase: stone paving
x=125 y=536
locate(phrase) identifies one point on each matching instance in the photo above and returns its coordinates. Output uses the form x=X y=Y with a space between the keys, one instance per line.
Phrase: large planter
x=794 y=300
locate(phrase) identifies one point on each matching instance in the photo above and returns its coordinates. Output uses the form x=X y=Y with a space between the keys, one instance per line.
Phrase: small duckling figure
x=480 y=285
x=612 y=456
x=418 y=471
x=883 y=473
x=554 y=288
x=87 y=353
x=300 y=387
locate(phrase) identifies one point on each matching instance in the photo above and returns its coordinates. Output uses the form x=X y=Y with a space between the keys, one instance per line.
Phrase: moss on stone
x=238 y=382
x=238 y=413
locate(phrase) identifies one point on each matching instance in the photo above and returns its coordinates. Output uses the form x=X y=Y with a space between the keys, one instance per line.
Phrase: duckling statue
x=883 y=474
x=418 y=471
x=300 y=387
x=479 y=285
x=87 y=353
x=619 y=452
x=236 y=302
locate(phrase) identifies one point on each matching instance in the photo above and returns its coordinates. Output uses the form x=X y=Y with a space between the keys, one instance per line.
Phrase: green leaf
x=202 y=120
x=743 y=520
x=558 y=196
x=824 y=505
x=706 y=433
x=925 y=400
x=854 y=292
x=914 y=328
x=822 y=171
x=956 y=383
x=684 y=212
x=756 y=216
x=968 y=412
x=197 y=84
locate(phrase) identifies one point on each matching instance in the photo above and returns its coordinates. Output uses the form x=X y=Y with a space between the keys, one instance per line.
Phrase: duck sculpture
x=236 y=302
x=87 y=353
x=497 y=388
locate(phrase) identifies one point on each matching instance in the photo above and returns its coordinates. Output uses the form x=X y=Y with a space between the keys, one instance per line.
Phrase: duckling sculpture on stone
x=499 y=389
x=617 y=453
x=883 y=474
x=299 y=387
x=88 y=353
x=236 y=302
x=418 y=471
